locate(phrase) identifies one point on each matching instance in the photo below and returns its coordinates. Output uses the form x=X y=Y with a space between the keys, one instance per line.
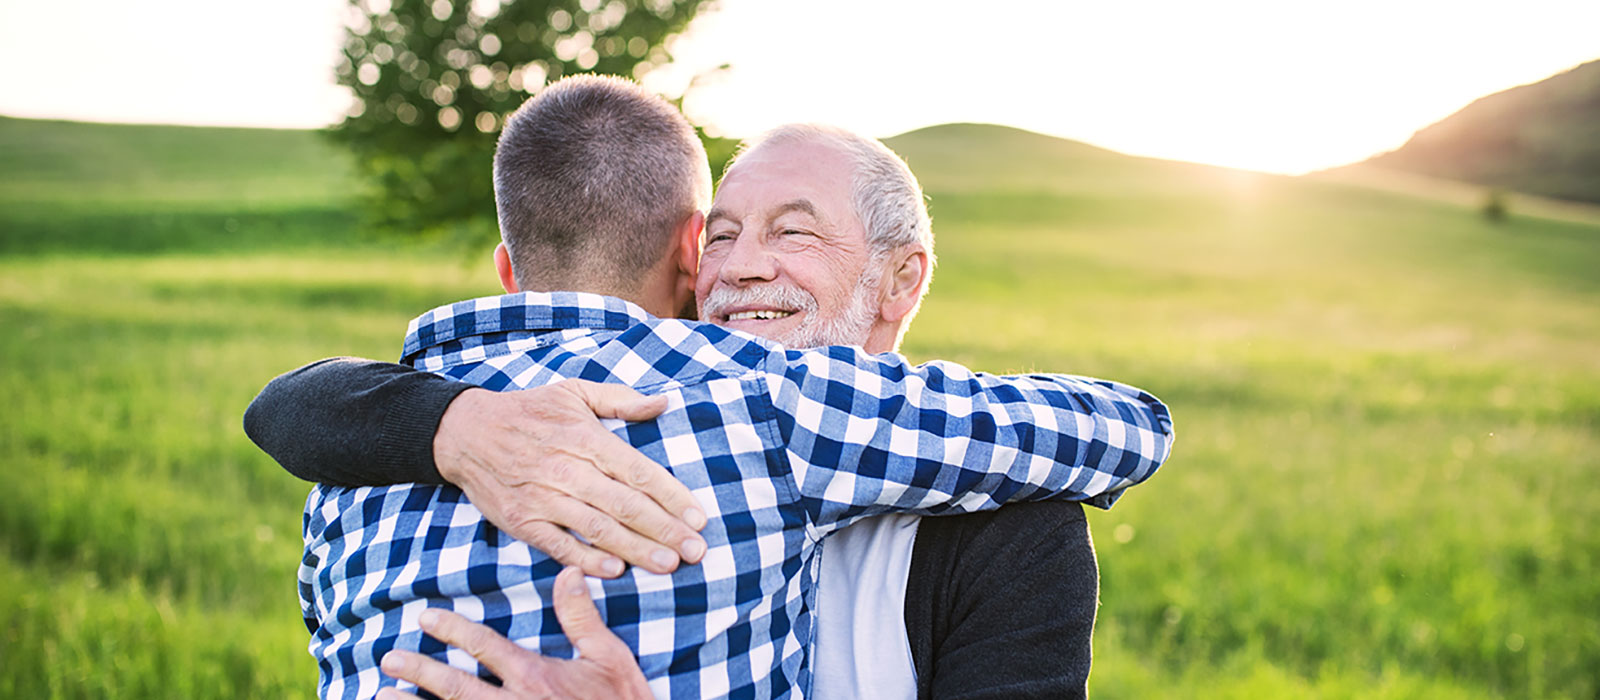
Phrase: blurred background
x=1355 y=246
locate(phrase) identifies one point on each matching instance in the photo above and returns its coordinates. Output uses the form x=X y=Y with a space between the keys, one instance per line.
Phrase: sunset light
x=1280 y=87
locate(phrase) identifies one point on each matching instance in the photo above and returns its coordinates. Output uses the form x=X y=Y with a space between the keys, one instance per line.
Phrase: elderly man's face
x=785 y=255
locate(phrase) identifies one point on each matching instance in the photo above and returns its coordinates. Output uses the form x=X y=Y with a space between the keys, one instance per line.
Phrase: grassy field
x=1388 y=409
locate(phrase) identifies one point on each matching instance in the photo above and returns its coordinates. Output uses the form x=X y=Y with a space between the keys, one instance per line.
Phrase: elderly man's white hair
x=886 y=196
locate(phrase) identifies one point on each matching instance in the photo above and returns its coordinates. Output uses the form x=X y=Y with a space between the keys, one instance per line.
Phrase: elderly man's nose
x=748 y=261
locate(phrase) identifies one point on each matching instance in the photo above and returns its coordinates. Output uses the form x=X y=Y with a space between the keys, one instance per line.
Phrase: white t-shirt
x=861 y=649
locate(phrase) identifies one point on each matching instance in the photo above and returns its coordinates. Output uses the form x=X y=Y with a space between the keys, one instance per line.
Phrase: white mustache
x=769 y=295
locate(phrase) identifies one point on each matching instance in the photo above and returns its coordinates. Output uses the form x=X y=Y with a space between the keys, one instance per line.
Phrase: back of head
x=591 y=177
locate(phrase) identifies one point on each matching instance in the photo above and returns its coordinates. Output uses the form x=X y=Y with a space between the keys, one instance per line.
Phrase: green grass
x=1388 y=409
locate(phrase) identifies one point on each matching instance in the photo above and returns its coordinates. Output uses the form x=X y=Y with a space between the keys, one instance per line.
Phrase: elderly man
x=789 y=220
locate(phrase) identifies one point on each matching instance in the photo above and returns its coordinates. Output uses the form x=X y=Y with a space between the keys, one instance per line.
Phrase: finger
x=622 y=462
x=561 y=546
x=637 y=513
x=604 y=532
x=392 y=694
x=617 y=401
x=437 y=678
x=581 y=622
x=490 y=648
x=535 y=514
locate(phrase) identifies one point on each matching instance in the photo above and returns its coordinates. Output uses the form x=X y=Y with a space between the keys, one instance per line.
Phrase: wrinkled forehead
x=772 y=175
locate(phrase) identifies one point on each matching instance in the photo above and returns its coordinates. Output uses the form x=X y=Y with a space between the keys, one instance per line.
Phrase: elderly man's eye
x=718 y=237
x=794 y=232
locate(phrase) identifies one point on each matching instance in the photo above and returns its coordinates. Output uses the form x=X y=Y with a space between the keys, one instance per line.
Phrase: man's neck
x=883 y=337
x=659 y=291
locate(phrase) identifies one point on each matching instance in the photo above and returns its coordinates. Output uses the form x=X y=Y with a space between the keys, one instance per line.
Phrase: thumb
x=618 y=401
x=581 y=622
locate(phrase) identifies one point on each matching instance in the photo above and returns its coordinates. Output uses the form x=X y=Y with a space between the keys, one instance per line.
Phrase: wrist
x=449 y=439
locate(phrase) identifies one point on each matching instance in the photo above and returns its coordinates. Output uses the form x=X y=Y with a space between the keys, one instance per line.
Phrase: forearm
x=1097 y=436
x=352 y=422
x=868 y=434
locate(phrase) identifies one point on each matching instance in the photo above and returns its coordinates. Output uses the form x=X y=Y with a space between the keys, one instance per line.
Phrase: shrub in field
x=1494 y=206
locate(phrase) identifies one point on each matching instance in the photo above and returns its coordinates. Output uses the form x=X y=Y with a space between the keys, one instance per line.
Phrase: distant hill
x=46 y=165
x=1542 y=138
x=951 y=158
x=168 y=166
x=136 y=188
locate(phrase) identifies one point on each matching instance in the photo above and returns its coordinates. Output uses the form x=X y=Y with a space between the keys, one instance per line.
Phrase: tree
x=432 y=80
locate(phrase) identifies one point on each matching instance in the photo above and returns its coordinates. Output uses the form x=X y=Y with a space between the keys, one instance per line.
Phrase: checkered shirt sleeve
x=869 y=434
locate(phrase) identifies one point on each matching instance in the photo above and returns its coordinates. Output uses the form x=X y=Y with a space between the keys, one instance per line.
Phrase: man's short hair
x=591 y=177
x=883 y=191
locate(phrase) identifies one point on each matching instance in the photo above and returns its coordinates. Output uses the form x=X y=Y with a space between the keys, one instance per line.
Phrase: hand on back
x=605 y=667
x=538 y=463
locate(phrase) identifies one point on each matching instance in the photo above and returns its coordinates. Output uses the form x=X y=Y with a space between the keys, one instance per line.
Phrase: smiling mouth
x=765 y=315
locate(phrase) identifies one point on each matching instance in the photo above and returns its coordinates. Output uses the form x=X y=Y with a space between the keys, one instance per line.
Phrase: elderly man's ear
x=907 y=277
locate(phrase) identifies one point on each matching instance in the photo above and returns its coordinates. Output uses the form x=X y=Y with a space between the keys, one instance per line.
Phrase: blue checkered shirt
x=780 y=446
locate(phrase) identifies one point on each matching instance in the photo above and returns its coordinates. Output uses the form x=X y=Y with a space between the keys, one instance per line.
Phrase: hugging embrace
x=766 y=502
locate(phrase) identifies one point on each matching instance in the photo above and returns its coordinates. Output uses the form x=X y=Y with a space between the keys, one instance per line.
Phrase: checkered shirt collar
x=524 y=311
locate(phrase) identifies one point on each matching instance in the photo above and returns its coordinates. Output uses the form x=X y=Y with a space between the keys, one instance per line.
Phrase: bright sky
x=1259 y=84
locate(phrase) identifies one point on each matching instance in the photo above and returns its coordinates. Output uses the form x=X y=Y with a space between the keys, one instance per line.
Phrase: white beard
x=849 y=327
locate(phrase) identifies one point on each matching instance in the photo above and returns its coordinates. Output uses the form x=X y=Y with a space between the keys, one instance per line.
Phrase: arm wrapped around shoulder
x=872 y=433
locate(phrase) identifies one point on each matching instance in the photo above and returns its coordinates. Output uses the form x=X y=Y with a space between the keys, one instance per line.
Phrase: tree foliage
x=432 y=80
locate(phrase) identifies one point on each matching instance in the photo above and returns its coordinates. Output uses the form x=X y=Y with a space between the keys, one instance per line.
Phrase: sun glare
x=1256 y=84
x=1270 y=86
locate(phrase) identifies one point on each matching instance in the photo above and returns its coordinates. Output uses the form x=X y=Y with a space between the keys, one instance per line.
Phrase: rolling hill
x=151 y=166
x=84 y=187
x=1542 y=139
